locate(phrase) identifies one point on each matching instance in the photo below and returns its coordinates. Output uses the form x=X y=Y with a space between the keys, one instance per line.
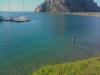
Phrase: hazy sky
x=97 y=1
x=17 y=5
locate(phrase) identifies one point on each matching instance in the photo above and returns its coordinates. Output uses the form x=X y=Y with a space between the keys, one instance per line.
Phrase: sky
x=98 y=2
x=17 y=5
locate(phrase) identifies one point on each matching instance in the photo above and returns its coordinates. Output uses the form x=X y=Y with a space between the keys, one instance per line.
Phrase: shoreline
x=95 y=14
x=87 y=14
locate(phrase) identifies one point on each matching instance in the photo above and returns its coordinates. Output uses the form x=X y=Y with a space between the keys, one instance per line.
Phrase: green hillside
x=82 y=67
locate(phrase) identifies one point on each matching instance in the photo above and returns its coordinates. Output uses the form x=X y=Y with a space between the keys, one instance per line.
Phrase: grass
x=83 y=67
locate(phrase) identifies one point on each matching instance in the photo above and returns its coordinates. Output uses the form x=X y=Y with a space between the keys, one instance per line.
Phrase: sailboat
x=14 y=19
x=9 y=18
x=22 y=18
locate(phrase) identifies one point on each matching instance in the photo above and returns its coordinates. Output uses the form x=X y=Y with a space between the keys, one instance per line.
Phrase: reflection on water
x=47 y=39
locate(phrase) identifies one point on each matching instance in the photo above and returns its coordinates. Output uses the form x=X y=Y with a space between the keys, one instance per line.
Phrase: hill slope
x=68 y=6
x=84 y=67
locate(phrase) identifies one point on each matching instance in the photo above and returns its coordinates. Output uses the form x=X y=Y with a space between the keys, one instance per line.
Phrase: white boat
x=8 y=18
x=14 y=19
x=22 y=19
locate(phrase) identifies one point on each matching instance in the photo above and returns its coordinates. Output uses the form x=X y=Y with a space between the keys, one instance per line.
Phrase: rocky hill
x=68 y=6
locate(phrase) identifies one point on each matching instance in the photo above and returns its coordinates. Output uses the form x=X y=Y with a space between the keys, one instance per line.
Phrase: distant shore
x=97 y=14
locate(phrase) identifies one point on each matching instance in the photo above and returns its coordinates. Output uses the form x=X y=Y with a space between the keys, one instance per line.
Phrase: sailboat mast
x=9 y=7
x=23 y=6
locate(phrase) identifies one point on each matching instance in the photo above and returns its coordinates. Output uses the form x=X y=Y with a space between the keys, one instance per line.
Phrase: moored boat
x=22 y=19
x=8 y=18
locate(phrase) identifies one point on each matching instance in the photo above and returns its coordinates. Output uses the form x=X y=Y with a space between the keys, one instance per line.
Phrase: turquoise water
x=47 y=39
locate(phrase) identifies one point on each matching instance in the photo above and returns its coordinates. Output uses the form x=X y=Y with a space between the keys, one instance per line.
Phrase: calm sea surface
x=47 y=39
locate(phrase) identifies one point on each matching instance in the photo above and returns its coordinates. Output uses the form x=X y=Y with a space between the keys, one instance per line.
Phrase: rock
x=38 y=9
x=54 y=6
x=68 y=6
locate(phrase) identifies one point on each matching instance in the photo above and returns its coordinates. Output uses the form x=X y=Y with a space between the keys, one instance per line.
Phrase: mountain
x=68 y=6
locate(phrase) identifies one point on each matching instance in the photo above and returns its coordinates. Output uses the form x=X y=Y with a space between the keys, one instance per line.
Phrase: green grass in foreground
x=82 y=67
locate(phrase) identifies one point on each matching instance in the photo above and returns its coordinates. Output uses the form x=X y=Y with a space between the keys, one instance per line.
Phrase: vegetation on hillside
x=83 y=67
x=61 y=6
